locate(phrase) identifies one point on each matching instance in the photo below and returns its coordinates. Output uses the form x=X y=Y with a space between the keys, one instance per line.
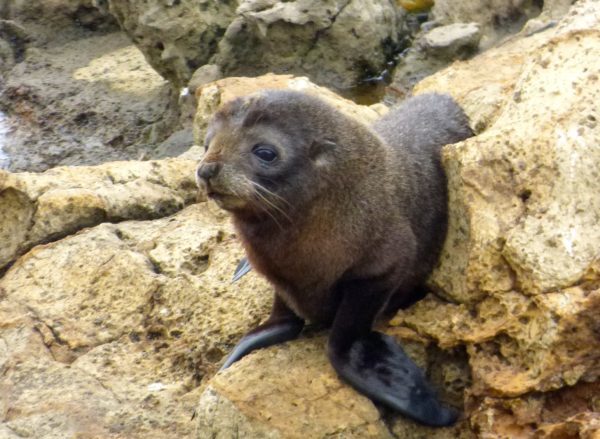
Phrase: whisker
x=270 y=203
x=265 y=208
x=272 y=199
x=272 y=194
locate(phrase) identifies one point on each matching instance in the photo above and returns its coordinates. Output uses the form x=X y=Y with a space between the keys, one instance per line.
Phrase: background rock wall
x=335 y=42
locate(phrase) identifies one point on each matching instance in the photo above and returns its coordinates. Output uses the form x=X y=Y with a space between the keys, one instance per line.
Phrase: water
x=4 y=129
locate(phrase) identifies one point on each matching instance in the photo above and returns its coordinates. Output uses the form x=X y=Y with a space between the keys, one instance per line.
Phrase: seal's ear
x=320 y=151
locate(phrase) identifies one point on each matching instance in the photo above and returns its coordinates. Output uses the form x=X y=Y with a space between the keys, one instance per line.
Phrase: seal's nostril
x=206 y=171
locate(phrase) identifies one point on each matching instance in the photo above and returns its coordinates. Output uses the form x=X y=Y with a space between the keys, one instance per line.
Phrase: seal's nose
x=209 y=170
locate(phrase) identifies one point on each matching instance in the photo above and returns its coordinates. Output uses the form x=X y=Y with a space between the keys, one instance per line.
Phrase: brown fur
x=343 y=201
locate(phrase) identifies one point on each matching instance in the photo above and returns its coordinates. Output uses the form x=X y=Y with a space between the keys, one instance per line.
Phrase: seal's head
x=262 y=153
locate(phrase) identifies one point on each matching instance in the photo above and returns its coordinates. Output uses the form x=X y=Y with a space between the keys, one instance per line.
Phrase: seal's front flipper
x=373 y=363
x=377 y=366
x=242 y=268
x=282 y=325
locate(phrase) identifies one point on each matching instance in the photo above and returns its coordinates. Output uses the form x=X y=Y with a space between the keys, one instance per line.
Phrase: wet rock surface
x=86 y=99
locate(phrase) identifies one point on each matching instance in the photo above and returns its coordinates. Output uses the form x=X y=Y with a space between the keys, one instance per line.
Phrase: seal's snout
x=208 y=170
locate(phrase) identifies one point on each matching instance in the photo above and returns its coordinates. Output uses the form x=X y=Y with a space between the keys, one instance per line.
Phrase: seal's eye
x=265 y=153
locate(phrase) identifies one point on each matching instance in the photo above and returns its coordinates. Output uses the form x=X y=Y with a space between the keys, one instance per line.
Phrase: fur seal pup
x=345 y=220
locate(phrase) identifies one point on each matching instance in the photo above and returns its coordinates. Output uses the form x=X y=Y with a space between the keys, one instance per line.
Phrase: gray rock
x=205 y=74
x=497 y=18
x=336 y=43
x=13 y=43
x=176 y=144
x=453 y=40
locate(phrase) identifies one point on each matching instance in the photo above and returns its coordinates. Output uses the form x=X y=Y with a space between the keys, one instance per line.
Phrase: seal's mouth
x=225 y=200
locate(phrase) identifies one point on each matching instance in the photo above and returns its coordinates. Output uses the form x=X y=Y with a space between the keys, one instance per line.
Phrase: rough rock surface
x=458 y=30
x=431 y=51
x=38 y=208
x=452 y=38
x=83 y=98
x=519 y=188
x=335 y=42
x=283 y=404
x=520 y=271
x=107 y=332
x=88 y=13
x=115 y=326
x=497 y=18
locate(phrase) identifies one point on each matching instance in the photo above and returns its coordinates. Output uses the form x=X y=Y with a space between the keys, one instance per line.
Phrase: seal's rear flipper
x=377 y=366
x=282 y=325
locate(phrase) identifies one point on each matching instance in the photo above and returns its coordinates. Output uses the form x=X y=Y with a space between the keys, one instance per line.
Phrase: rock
x=38 y=208
x=109 y=331
x=176 y=144
x=451 y=40
x=569 y=412
x=13 y=42
x=58 y=13
x=176 y=37
x=431 y=51
x=484 y=84
x=213 y=95
x=84 y=101
x=520 y=273
x=205 y=74
x=497 y=19
x=337 y=44
x=256 y=400
x=459 y=30
x=528 y=197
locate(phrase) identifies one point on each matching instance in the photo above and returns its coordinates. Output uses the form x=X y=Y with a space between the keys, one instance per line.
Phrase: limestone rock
x=458 y=30
x=255 y=400
x=176 y=37
x=38 y=208
x=109 y=331
x=520 y=270
x=337 y=43
x=485 y=83
x=431 y=51
x=213 y=95
x=13 y=42
x=88 y=13
x=512 y=198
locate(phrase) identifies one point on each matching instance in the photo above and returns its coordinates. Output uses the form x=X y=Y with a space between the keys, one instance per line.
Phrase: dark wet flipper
x=282 y=325
x=377 y=366
x=241 y=270
x=264 y=336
